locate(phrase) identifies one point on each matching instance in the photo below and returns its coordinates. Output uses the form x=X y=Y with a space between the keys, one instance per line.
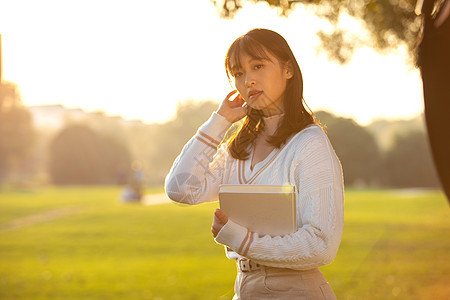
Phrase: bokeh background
x=97 y=98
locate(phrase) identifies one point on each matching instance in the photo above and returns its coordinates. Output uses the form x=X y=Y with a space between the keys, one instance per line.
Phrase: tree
x=79 y=155
x=409 y=162
x=355 y=146
x=388 y=23
x=16 y=131
x=170 y=137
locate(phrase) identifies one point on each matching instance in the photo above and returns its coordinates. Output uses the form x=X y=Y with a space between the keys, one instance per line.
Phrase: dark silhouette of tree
x=406 y=163
x=409 y=163
x=16 y=131
x=388 y=23
x=434 y=63
x=355 y=146
x=79 y=155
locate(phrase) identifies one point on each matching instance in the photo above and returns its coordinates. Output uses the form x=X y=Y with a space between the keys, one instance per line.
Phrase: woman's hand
x=233 y=110
x=220 y=219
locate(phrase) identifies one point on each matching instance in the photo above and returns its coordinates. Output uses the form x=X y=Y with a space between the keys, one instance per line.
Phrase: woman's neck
x=272 y=111
x=271 y=124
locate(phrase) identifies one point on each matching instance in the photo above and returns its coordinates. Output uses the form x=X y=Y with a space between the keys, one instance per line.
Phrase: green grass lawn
x=82 y=243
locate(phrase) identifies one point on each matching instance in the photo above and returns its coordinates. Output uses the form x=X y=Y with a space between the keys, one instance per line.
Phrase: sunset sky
x=139 y=58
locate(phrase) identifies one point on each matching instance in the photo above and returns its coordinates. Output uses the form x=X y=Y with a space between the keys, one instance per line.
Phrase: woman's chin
x=255 y=106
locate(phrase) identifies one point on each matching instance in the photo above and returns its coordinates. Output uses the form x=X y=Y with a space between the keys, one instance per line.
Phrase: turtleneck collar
x=271 y=124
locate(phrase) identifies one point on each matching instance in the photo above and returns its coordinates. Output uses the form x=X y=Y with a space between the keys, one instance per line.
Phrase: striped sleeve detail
x=208 y=138
x=205 y=142
x=250 y=241
x=243 y=249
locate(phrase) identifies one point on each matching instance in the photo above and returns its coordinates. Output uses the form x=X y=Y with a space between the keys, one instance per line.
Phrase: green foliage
x=409 y=162
x=355 y=146
x=388 y=23
x=170 y=137
x=369 y=157
x=103 y=149
x=395 y=246
x=79 y=155
x=386 y=131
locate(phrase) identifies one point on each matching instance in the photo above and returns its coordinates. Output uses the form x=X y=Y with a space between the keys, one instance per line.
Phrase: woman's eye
x=257 y=67
x=237 y=74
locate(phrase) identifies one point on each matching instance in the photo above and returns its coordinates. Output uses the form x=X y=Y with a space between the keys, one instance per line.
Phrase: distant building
x=56 y=116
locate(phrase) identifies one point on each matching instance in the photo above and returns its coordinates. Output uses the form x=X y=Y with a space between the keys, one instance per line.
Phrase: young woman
x=277 y=143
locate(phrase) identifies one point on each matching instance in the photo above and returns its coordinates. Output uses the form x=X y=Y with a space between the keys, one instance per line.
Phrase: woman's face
x=262 y=82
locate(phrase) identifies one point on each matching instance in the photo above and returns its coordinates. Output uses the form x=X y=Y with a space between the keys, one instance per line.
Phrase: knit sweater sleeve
x=197 y=172
x=318 y=176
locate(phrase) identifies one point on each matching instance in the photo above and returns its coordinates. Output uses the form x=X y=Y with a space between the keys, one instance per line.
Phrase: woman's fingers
x=232 y=108
x=221 y=216
x=230 y=94
x=219 y=220
x=239 y=100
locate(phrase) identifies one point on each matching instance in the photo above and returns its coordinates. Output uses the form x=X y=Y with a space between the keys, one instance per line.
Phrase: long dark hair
x=255 y=43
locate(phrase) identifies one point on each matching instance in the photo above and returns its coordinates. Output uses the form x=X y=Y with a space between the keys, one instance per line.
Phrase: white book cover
x=264 y=209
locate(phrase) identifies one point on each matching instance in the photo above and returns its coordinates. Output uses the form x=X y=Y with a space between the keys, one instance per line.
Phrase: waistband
x=247 y=265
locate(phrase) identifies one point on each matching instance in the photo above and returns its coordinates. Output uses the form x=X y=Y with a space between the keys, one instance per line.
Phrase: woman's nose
x=249 y=82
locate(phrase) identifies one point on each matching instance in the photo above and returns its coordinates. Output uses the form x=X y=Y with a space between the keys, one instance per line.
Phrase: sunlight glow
x=139 y=58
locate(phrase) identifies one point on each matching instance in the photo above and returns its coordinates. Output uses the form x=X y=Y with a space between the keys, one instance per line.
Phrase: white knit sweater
x=307 y=160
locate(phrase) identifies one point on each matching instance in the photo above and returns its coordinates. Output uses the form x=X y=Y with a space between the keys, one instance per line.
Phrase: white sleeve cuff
x=231 y=235
x=215 y=127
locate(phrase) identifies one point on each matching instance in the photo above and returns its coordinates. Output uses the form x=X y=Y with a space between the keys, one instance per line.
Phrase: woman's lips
x=254 y=95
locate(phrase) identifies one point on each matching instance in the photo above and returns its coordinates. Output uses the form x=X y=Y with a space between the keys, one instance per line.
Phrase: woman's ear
x=288 y=70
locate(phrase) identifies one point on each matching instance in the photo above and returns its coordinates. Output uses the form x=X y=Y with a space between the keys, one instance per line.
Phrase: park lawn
x=82 y=243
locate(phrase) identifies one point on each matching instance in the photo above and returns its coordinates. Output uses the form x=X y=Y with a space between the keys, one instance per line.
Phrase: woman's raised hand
x=233 y=110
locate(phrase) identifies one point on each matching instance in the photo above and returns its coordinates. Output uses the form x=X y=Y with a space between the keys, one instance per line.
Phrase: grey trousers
x=275 y=283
